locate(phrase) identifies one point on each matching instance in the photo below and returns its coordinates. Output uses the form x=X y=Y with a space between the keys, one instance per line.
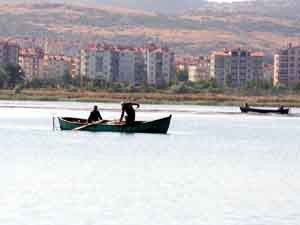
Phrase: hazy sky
x=225 y=0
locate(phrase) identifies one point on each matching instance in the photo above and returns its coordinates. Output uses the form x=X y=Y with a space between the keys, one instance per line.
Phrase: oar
x=89 y=125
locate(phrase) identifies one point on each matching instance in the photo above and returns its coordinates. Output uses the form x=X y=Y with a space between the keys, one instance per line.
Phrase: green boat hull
x=159 y=126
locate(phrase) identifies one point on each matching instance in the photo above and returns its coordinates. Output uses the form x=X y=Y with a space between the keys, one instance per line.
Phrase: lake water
x=215 y=167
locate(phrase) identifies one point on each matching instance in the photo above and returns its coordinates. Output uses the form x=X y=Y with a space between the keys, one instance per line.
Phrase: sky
x=225 y=0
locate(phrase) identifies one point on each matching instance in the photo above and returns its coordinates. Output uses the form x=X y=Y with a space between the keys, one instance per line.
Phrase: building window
x=99 y=64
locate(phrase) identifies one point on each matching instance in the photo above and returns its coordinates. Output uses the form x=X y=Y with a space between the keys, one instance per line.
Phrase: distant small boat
x=261 y=110
x=159 y=126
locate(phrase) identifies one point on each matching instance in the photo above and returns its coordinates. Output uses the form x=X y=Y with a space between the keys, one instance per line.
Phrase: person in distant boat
x=246 y=105
x=281 y=107
x=95 y=115
x=127 y=107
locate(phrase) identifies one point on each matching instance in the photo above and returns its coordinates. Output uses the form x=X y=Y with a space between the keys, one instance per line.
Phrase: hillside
x=262 y=24
x=161 y=6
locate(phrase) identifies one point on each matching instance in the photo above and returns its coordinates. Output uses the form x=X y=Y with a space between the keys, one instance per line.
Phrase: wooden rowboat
x=159 y=126
x=256 y=110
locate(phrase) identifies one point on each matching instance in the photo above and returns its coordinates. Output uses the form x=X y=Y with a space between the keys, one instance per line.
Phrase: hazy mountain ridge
x=271 y=8
x=211 y=26
x=261 y=7
x=161 y=6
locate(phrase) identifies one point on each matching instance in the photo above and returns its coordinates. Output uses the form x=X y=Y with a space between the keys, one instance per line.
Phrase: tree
x=99 y=82
x=66 y=79
x=35 y=83
x=15 y=75
x=182 y=75
x=296 y=87
x=77 y=81
x=3 y=77
x=18 y=88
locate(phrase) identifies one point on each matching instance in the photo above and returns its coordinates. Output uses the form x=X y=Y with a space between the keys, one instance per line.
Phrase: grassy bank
x=150 y=98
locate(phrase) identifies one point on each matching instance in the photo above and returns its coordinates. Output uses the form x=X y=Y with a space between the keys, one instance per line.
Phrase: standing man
x=130 y=112
x=95 y=115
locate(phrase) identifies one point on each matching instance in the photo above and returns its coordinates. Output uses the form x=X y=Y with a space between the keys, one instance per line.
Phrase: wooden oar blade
x=89 y=125
x=81 y=127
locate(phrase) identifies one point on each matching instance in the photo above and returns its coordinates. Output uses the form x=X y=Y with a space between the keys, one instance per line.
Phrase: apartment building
x=160 y=64
x=236 y=67
x=99 y=62
x=55 y=67
x=268 y=73
x=151 y=64
x=131 y=66
x=74 y=66
x=287 y=66
x=61 y=47
x=9 y=53
x=182 y=64
x=31 y=61
x=140 y=67
x=198 y=69
x=126 y=66
x=256 y=67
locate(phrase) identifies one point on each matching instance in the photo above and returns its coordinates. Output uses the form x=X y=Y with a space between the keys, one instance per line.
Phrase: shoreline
x=151 y=98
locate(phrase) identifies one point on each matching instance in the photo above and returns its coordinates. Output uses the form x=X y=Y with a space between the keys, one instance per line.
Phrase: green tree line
x=11 y=76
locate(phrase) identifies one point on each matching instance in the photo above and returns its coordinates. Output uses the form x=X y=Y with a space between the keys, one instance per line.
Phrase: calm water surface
x=215 y=167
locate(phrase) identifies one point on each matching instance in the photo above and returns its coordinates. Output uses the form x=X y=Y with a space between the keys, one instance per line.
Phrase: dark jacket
x=130 y=112
x=94 y=116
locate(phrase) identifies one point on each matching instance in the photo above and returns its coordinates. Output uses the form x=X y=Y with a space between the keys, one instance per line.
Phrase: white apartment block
x=131 y=66
x=287 y=66
x=9 y=53
x=140 y=67
x=13 y=51
x=160 y=64
x=55 y=67
x=31 y=61
x=126 y=67
x=153 y=65
x=199 y=71
x=74 y=66
x=99 y=63
x=236 y=67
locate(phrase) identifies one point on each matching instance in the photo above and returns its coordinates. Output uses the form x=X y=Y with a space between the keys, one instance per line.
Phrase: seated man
x=130 y=112
x=95 y=115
